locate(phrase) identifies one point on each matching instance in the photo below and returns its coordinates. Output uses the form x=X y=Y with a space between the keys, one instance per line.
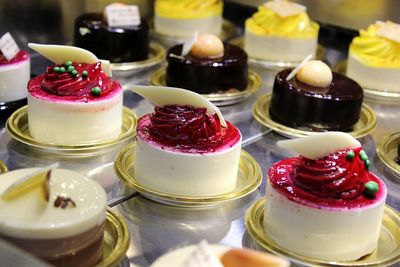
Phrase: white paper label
x=389 y=30
x=8 y=46
x=188 y=44
x=122 y=15
x=285 y=8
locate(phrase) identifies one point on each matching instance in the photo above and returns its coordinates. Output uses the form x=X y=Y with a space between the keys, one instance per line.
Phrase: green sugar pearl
x=96 y=91
x=70 y=68
x=85 y=74
x=56 y=69
x=371 y=188
x=367 y=164
x=62 y=69
x=74 y=73
x=68 y=63
x=350 y=155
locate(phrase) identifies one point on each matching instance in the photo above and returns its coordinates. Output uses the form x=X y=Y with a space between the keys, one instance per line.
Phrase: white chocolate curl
x=208 y=46
x=315 y=73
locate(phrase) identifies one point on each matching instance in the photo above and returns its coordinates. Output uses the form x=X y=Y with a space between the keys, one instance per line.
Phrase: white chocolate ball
x=208 y=46
x=315 y=73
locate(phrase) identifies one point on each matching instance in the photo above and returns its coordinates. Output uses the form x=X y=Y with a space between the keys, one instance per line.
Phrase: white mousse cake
x=183 y=17
x=374 y=57
x=214 y=255
x=280 y=31
x=325 y=204
x=57 y=215
x=74 y=101
x=185 y=147
x=14 y=76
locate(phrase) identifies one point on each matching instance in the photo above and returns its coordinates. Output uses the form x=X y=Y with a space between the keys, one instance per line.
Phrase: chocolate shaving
x=46 y=186
x=64 y=202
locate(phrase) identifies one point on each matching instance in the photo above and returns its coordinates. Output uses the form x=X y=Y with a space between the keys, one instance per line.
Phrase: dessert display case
x=158 y=223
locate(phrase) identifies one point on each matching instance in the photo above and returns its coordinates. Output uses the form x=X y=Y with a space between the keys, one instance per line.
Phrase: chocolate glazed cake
x=208 y=75
x=117 y=44
x=297 y=104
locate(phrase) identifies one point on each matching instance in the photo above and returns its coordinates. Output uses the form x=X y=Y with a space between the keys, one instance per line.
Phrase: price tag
x=8 y=46
x=122 y=15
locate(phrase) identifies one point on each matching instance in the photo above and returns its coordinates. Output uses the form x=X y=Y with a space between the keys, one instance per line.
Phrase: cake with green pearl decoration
x=75 y=101
x=326 y=199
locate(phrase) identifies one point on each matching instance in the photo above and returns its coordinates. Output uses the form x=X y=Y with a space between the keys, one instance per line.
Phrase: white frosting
x=186 y=174
x=320 y=144
x=389 y=30
x=176 y=257
x=285 y=8
x=28 y=216
x=275 y=48
x=13 y=80
x=378 y=78
x=186 y=27
x=69 y=123
x=202 y=256
x=60 y=54
x=315 y=73
x=163 y=95
x=326 y=234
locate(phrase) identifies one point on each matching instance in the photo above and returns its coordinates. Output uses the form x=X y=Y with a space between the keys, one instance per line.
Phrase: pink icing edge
x=222 y=148
x=25 y=58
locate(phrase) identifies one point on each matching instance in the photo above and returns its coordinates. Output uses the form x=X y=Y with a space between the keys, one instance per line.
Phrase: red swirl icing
x=21 y=56
x=332 y=181
x=64 y=86
x=187 y=129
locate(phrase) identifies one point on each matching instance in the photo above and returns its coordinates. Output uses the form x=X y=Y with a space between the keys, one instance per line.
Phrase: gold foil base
x=370 y=93
x=3 y=167
x=17 y=127
x=386 y=253
x=157 y=56
x=158 y=78
x=275 y=65
x=387 y=152
x=365 y=125
x=116 y=239
x=249 y=179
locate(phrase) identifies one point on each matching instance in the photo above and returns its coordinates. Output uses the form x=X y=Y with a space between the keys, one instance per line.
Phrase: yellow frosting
x=267 y=22
x=374 y=50
x=188 y=9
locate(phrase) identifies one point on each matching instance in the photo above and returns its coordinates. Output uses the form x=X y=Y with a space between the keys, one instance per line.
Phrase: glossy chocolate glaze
x=296 y=104
x=117 y=44
x=84 y=249
x=207 y=76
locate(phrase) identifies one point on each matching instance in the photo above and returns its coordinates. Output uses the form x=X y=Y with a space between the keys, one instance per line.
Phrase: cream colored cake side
x=13 y=80
x=75 y=123
x=186 y=174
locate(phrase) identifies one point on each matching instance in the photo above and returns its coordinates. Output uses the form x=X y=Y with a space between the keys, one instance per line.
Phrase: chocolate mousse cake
x=326 y=200
x=73 y=102
x=57 y=215
x=191 y=144
x=117 y=44
x=210 y=67
x=303 y=102
x=14 y=75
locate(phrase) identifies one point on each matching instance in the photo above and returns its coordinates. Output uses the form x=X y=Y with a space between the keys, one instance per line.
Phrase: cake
x=324 y=204
x=374 y=57
x=280 y=31
x=196 y=152
x=73 y=102
x=211 y=66
x=183 y=17
x=57 y=215
x=316 y=99
x=14 y=76
x=115 y=43
x=205 y=255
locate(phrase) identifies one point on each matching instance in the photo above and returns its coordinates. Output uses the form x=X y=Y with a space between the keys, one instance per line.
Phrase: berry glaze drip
x=187 y=129
x=65 y=86
x=21 y=56
x=333 y=181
